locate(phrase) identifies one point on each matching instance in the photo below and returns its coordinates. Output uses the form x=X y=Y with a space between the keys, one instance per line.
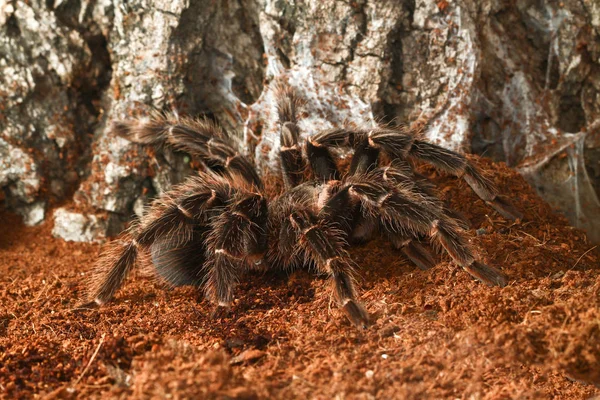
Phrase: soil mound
x=435 y=334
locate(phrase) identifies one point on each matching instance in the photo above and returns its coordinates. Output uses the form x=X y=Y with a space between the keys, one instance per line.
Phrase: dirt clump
x=435 y=334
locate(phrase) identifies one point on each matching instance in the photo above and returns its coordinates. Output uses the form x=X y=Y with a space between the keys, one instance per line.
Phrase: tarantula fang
x=214 y=227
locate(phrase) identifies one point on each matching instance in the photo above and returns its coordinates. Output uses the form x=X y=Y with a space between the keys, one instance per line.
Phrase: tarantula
x=215 y=226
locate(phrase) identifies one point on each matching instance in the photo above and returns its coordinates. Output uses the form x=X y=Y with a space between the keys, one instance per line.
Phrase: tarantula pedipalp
x=211 y=229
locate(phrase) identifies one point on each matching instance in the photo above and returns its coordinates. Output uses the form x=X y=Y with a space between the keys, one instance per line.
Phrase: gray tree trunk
x=517 y=81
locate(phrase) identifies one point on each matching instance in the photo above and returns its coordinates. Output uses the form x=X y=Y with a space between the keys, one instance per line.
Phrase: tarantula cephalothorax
x=211 y=229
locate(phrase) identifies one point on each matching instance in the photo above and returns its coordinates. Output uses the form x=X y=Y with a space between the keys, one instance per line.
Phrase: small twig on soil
x=534 y=238
x=49 y=327
x=90 y=362
x=84 y=308
x=40 y=294
x=299 y=378
x=579 y=259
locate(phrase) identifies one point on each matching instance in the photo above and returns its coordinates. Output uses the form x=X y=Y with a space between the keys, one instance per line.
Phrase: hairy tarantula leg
x=290 y=152
x=419 y=184
x=367 y=145
x=120 y=257
x=463 y=222
x=367 y=224
x=325 y=246
x=402 y=211
x=319 y=157
x=447 y=233
x=419 y=255
x=200 y=138
x=237 y=240
x=400 y=145
x=321 y=162
x=168 y=220
x=222 y=277
x=414 y=251
x=459 y=165
x=364 y=159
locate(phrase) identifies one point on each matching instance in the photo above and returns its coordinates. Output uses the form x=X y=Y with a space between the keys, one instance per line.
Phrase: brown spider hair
x=219 y=224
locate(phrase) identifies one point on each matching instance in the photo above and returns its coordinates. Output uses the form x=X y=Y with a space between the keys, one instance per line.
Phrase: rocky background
x=514 y=80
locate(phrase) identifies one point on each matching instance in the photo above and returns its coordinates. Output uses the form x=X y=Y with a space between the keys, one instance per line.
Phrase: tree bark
x=517 y=81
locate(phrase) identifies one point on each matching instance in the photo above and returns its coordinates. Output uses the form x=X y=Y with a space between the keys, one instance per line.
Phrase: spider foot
x=505 y=208
x=356 y=313
x=489 y=275
x=86 y=305
x=220 y=311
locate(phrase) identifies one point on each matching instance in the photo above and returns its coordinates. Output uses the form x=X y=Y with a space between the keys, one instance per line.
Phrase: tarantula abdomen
x=178 y=264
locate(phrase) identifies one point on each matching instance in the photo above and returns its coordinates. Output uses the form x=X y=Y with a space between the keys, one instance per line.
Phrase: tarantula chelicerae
x=217 y=225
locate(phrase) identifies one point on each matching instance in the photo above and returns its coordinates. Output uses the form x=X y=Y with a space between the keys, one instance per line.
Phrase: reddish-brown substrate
x=435 y=334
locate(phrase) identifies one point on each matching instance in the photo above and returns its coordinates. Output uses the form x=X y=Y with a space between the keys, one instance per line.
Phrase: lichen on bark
x=516 y=81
